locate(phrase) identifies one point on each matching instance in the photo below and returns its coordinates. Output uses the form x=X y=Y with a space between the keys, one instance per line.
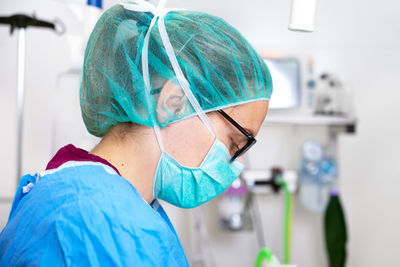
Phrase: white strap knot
x=27 y=188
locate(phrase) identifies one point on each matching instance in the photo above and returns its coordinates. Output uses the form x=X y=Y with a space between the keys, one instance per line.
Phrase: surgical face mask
x=190 y=187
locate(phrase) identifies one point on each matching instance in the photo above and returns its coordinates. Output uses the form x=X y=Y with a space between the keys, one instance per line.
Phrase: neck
x=135 y=156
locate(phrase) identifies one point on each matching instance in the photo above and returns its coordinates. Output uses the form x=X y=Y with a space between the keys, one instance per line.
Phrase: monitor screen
x=285 y=73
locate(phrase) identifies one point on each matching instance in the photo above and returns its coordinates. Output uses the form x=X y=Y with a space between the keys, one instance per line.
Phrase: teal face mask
x=190 y=187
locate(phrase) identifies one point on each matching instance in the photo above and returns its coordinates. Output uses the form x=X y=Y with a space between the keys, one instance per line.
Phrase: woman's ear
x=171 y=102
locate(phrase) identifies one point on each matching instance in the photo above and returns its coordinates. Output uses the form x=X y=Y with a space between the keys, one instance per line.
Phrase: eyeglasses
x=250 y=139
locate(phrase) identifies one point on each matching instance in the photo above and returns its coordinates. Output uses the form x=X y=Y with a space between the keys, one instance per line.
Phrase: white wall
x=358 y=40
x=363 y=47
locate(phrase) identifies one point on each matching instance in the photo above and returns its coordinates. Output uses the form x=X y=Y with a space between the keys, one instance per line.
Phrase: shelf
x=308 y=120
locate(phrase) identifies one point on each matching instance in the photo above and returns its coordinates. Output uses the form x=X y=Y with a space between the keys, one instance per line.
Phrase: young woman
x=177 y=97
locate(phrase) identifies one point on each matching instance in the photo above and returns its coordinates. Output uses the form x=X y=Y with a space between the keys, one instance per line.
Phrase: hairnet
x=220 y=66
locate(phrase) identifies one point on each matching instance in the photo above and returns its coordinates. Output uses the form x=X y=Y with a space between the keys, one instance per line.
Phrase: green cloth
x=335 y=233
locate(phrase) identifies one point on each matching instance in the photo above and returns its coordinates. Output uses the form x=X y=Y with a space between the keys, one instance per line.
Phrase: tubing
x=263 y=254
x=287 y=229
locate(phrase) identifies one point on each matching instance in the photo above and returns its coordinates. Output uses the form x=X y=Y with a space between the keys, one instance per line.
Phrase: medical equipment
x=310 y=84
x=241 y=197
x=302 y=15
x=21 y=23
x=277 y=182
x=317 y=176
x=332 y=97
x=286 y=78
x=234 y=206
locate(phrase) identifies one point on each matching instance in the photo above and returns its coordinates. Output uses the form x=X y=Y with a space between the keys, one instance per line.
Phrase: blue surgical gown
x=84 y=214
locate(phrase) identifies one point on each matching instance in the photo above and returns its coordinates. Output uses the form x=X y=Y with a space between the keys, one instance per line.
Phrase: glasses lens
x=244 y=149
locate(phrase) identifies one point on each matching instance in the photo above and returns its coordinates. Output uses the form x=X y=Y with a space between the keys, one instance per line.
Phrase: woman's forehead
x=250 y=115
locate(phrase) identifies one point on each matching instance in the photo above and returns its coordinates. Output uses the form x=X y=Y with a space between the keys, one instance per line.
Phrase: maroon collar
x=72 y=153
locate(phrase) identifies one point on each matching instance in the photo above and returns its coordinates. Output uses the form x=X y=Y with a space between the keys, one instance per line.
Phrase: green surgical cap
x=219 y=65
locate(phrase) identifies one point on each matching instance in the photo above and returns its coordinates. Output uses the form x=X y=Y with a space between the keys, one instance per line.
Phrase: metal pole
x=21 y=22
x=20 y=97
